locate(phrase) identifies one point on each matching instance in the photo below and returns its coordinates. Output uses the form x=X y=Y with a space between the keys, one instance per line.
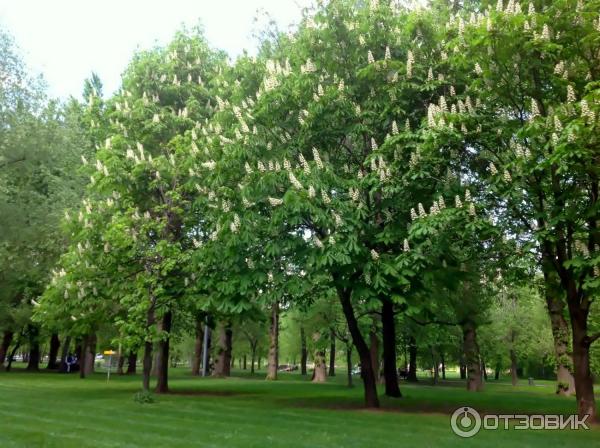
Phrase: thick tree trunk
x=197 y=359
x=223 y=363
x=367 y=373
x=34 y=356
x=584 y=381
x=120 y=364
x=390 y=372
x=147 y=365
x=304 y=351
x=162 y=371
x=88 y=355
x=131 y=363
x=7 y=338
x=497 y=372
x=273 y=343
x=11 y=355
x=412 y=362
x=53 y=353
x=64 y=353
x=560 y=334
x=320 y=371
x=332 y=353
x=473 y=365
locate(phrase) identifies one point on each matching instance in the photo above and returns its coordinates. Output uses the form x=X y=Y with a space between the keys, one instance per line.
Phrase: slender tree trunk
x=484 y=369
x=332 y=353
x=223 y=363
x=162 y=372
x=53 y=353
x=497 y=371
x=471 y=348
x=64 y=353
x=244 y=362
x=374 y=349
x=11 y=355
x=320 y=371
x=197 y=359
x=443 y=360
x=435 y=365
x=273 y=343
x=7 y=338
x=349 y=363
x=513 y=362
x=304 y=352
x=390 y=372
x=131 y=363
x=367 y=373
x=252 y=358
x=412 y=363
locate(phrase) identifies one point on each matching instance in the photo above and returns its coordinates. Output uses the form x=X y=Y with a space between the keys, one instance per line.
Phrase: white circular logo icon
x=465 y=422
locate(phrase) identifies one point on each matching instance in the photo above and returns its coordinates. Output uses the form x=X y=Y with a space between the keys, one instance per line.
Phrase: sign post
x=110 y=354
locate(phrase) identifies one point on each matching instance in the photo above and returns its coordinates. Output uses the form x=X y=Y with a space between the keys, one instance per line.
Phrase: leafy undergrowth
x=53 y=410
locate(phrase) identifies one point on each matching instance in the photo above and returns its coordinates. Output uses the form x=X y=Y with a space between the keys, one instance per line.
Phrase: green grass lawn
x=52 y=410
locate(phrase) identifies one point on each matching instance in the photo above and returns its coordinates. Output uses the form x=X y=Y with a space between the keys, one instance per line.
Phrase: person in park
x=70 y=361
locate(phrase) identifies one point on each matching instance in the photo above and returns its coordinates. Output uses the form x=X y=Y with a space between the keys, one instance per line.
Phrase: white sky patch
x=66 y=40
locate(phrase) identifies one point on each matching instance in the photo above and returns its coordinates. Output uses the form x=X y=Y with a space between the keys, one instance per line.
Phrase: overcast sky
x=66 y=40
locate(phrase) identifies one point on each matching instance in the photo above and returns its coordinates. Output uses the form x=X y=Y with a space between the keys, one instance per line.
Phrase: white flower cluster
x=235 y=224
x=309 y=67
x=571 y=97
x=354 y=193
x=410 y=60
x=317 y=158
x=295 y=182
x=374 y=255
x=325 y=197
x=275 y=201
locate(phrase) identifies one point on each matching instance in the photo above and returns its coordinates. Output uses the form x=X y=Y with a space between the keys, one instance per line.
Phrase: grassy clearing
x=52 y=410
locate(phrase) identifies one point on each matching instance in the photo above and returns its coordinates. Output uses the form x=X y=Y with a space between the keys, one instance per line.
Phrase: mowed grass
x=52 y=410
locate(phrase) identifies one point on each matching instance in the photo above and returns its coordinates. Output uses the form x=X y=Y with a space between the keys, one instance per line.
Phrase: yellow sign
x=110 y=352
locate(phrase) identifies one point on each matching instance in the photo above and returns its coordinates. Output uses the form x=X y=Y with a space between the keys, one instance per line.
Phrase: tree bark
x=435 y=365
x=7 y=338
x=252 y=357
x=374 y=349
x=64 y=353
x=349 y=363
x=443 y=360
x=412 y=363
x=131 y=363
x=332 y=353
x=367 y=373
x=560 y=334
x=273 y=343
x=584 y=381
x=53 y=353
x=484 y=369
x=304 y=352
x=34 y=356
x=197 y=359
x=121 y=364
x=390 y=372
x=162 y=371
x=223 y=363
x=471 y=348
x=320 y=370
x=88 y=355
x=513 y=364
x=147 y=365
